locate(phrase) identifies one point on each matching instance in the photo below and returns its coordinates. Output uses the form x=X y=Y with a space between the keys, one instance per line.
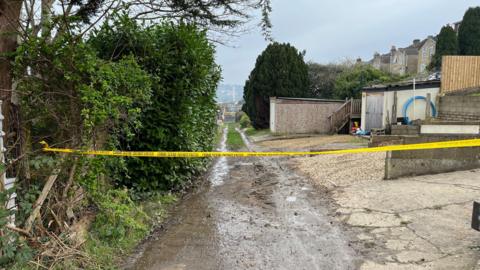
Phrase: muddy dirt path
x=254 y=214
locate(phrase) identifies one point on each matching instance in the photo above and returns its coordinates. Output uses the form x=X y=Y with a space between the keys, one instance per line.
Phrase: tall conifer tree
x=279 y=71
x=469 y=33
x=446 y=45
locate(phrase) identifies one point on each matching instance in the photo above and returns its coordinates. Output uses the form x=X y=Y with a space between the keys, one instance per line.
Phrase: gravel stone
x=333 y=171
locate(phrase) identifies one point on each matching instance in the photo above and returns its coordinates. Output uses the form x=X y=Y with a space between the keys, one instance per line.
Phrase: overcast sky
x=334 y=30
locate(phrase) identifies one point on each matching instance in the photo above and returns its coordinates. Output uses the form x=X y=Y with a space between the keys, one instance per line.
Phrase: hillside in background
x=227 y=93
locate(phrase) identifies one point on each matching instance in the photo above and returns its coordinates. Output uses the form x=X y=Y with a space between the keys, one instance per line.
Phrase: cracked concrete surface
x=413 y=223
x=418 y=222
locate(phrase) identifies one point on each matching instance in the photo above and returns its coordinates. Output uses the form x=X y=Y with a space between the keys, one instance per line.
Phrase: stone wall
x=405 y=130
x=459 y=108
x=420 y=162
x=384 y=140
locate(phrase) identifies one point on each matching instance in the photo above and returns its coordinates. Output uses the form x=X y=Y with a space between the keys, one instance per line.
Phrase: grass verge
x=252 y=132
x=234 y=140
x=107 y=253
x=113 y=232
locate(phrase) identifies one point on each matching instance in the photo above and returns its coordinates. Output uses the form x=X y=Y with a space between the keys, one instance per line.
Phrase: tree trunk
x=9 y=25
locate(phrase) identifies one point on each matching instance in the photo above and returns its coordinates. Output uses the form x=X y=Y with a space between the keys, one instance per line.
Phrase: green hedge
x=181 y=117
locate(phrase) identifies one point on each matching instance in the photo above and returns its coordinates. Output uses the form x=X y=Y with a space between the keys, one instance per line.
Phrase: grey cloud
x=332 y=30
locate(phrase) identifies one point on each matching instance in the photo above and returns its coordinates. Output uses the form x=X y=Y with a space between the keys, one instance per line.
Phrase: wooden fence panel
x=460 y=73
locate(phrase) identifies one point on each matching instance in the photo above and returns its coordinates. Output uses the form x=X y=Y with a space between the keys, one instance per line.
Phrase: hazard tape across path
x=168 y=154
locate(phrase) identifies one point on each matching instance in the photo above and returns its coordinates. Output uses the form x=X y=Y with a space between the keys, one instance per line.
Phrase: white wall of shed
x=402 y=97
x=272 y=117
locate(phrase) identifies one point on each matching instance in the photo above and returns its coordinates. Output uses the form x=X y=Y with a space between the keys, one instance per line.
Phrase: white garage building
x=378 y=103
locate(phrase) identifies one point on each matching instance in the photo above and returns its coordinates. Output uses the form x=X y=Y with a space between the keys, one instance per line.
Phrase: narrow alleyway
x=254 y=214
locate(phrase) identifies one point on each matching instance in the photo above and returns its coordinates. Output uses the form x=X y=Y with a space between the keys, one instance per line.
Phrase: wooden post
x=428 y=110
x=394 y=109
x=350 y=124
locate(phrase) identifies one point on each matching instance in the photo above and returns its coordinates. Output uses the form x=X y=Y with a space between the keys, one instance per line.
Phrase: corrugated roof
x=402 y=86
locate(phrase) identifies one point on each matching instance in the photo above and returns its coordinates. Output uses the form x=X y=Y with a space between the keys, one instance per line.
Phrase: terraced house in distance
x=413 y=59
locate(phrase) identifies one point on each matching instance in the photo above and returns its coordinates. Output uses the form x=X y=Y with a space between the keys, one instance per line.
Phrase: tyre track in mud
x=255 y=214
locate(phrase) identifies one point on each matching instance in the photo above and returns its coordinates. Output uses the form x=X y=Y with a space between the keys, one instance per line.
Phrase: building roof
x=402 y=86
x=410 y=50
x=307 y=99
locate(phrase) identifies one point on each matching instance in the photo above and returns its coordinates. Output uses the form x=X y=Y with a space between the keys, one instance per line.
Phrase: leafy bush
x=245 y=121
x=13 y=248
x=72 y=98
x=118 y=216
x=128 y=87
x=350 y=82
x=85 y=96
x=181 y=117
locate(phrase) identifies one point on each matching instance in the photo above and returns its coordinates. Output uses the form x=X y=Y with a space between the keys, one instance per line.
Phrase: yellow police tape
x=168 y=154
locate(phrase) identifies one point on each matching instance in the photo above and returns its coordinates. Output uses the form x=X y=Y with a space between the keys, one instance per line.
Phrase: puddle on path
x=246 y=219
x=219 y=169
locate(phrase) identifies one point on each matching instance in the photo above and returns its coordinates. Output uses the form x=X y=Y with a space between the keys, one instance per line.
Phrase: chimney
x=416 y=42
x=393 y=48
